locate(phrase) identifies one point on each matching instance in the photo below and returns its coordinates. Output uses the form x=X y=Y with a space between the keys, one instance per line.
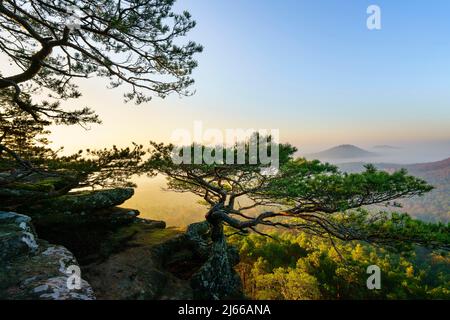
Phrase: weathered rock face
x=81 y=220
x=33 y=269
x=216 y=279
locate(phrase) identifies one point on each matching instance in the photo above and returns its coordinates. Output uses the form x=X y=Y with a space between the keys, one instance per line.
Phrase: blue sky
x=309 y=68
x=294 y=60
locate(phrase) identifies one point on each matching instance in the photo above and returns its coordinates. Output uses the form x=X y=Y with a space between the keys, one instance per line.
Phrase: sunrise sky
x=311 y=69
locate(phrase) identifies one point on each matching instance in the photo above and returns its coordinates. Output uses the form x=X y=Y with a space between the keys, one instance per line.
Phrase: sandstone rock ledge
x=31 y=268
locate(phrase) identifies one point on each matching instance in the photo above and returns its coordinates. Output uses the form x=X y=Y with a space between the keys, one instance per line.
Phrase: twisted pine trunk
x=217 y=278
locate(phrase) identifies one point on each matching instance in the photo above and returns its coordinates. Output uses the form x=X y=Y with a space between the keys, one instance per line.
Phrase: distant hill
x=428 y=167
x=434 y=206
x=437 y=167
x=344 y=151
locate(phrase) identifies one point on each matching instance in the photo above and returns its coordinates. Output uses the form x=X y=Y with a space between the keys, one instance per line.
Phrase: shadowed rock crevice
x=136 y=268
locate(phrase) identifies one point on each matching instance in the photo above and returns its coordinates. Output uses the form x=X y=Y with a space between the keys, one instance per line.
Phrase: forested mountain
x=434 y=206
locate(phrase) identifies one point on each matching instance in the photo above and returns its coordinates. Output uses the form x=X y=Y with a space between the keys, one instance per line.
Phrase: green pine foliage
x=299 y=266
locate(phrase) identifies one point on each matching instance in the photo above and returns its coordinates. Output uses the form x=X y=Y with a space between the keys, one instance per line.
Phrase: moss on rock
x=41 y=185
x=79 y=202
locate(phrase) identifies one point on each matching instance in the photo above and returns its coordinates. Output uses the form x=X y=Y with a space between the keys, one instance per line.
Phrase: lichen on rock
x=16 y=236
x=33 y=269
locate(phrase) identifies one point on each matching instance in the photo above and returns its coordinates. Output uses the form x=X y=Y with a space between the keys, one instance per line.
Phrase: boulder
x=33 y=269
